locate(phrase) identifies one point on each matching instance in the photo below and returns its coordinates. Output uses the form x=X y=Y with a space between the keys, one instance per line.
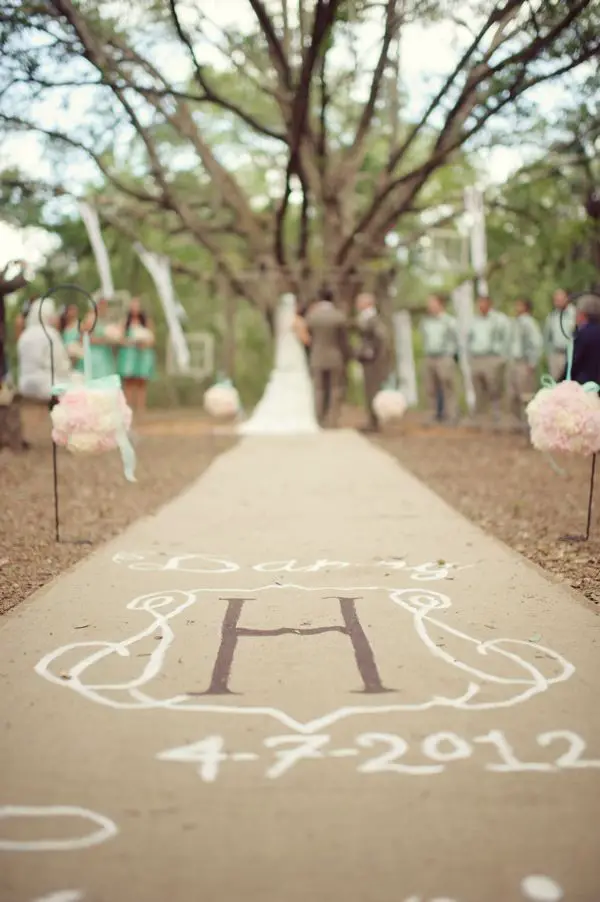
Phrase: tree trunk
x=11 y=432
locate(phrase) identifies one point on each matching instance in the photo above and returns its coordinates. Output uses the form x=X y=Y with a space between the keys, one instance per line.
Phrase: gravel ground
x=96 y=502
x=510 y=490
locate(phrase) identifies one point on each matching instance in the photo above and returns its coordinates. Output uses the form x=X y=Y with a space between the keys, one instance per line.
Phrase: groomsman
x=555 y=340
x=440 y=346
x=374 y=353
x=525 y=351
x=329 y=354
x=487 y=342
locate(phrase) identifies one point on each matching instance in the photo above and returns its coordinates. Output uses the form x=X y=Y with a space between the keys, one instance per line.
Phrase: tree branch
x=276 y=51
x=209 y=92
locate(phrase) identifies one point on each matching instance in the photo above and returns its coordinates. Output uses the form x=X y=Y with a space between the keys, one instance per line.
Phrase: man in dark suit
x=328 y=357
x=586 y=346
x=374 y=353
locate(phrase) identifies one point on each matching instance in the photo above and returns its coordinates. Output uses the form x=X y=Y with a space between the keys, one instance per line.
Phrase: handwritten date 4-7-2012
x=387 y=753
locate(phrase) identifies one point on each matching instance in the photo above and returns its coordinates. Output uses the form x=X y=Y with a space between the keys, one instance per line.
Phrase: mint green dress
x=136 y=362
x=102 y=357
x=70 y=337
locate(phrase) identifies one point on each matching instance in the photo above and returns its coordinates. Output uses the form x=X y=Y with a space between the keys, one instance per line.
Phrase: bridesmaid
x=70 y=334
x=136 y=359
x=102 y=340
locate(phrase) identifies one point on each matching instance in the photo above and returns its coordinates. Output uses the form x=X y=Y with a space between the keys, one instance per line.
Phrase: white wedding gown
x=287 y=405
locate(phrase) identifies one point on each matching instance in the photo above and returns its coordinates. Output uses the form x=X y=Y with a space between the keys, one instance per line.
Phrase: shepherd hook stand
x=588 y=528
x=54 y=400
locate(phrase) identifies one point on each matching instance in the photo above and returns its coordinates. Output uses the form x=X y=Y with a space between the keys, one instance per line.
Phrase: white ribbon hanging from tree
x=405 y=358
x=92 y=226
x=159 y=268
x=462 y=298
x=475 y=208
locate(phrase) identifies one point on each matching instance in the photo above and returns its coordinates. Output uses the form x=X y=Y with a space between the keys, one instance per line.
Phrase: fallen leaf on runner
x=64 y=675
x=441 y=562
x=535 y=638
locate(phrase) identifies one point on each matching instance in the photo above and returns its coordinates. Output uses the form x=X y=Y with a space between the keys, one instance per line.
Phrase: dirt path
x=306 y=678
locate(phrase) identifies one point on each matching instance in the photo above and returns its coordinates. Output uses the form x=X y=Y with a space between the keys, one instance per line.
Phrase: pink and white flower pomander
x=89 y=421
x=389 y=404
x=222 y=400
x=565 y=418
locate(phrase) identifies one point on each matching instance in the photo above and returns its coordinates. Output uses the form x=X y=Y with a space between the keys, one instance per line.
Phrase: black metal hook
x=561 y=323
x=53 y=400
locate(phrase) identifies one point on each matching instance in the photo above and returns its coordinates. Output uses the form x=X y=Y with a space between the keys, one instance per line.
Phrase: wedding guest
x=487 y=341
x=374 y=353
x=440 y=347
x=558 y=332
x=586 y=346
x=524 y=353
x=69 y=328
x=329 y=354
x=136 y=359
x=40 y=350
x=103 y=337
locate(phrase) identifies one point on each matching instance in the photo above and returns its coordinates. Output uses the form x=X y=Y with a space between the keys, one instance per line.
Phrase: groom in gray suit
x=329 y=355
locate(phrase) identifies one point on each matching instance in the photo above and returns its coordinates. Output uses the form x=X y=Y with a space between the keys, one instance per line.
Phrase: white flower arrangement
x=389 y=404
x=222 y=401
x=142 y=335
x=113 y=334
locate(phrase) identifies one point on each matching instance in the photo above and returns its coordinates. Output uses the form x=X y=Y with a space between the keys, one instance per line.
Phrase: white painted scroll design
x=63 y=895
x=198 y=562
x=102 y=828
x=423 y=606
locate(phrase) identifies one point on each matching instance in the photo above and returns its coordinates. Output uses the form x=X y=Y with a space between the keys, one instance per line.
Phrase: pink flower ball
x=87 y=421
x=565 y=418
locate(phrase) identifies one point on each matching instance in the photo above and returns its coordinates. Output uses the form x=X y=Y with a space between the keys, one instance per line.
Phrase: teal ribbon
x=111 y=384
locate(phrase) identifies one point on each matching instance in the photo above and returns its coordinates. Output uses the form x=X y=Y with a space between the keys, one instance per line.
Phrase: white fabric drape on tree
x=160 y=270
x=92 y=226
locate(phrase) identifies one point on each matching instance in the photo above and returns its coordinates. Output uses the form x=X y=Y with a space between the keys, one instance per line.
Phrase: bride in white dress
x=287 y=405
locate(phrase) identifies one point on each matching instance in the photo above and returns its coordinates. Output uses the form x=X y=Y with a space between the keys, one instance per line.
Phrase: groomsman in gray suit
x=487 y=343
x=329 y=354
x=525 y=351
x=555 y=339
x=439 y=331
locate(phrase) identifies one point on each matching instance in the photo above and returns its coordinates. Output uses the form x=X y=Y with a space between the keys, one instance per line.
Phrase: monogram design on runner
x=464 y=672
